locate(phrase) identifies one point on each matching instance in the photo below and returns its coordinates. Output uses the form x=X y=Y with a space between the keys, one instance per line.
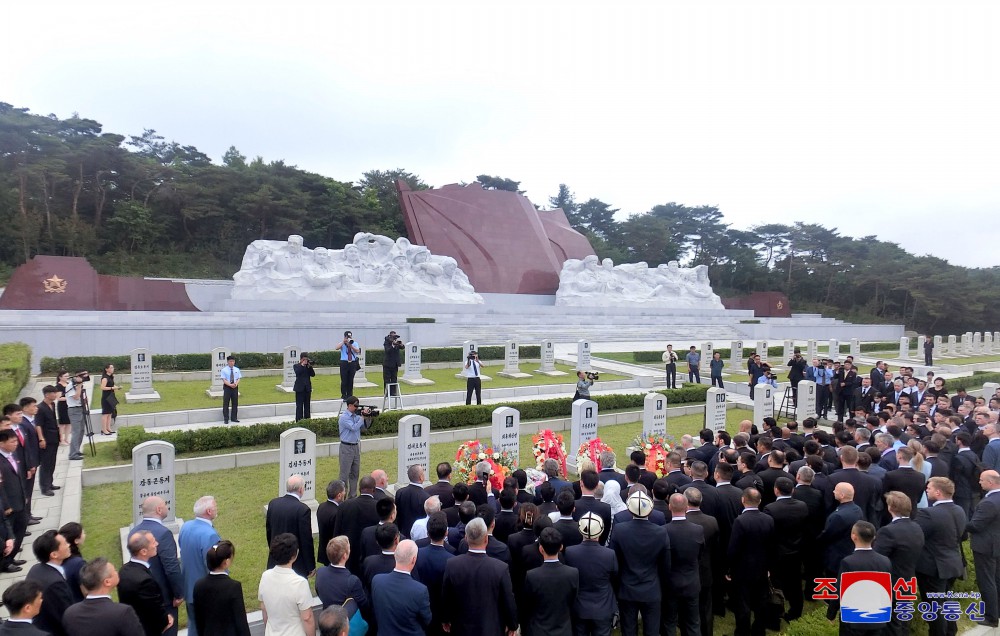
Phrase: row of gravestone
x=153 y=461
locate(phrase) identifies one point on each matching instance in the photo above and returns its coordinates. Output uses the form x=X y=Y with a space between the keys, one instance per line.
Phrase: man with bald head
x=381 y=483
x=402 y=605
x=289 y=514
x=984 y=530
x=165 y=566
x=836 y=536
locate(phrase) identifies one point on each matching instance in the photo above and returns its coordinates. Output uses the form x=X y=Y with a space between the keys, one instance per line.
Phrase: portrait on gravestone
x=417 y=430
x=659 y=405
x=140 y=357
x=300 y=447
x=154 y=462
x=510 y=421
x=590 y=412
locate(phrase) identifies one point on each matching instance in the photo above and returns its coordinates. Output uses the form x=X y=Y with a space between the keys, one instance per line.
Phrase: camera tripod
x=88 y=429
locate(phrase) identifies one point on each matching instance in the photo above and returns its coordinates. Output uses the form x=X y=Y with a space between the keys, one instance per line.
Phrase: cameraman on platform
x=304 y=372
x=350 y=424
x=74 y=405
x=349 y=365
x=474 y=382
x=390 y=361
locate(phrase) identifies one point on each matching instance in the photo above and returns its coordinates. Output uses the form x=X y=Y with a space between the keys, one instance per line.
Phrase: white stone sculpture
x=371 y=266
x=589 y=282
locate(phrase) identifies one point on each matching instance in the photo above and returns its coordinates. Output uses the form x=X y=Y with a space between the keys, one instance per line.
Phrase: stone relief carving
x=590 y=282
x=370 y=265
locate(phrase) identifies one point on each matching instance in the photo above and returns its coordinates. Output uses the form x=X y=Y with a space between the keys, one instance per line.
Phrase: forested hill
x=140 y=205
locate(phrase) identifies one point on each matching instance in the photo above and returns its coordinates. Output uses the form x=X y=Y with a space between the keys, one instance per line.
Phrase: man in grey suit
x=984 y=530
x=165 y=567
x=940 y=563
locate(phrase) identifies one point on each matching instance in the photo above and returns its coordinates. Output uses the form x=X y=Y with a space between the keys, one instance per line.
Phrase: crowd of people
x=895 y=489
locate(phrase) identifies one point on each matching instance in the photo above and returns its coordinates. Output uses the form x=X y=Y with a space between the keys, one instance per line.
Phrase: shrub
x=418 y=320
x=812 y=623
x=15 y=369
x=218 y=437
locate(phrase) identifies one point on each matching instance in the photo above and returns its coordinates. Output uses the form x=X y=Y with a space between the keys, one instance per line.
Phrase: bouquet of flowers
x=549 y=445
x=592 y=450
x=656 y=448
x=472 y=452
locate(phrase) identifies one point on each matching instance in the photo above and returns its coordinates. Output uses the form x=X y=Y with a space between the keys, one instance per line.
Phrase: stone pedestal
x=583 y=428
x=411 y=367
x=806 y=406
x=763 y=403
x=141 y=387
x=414 y=445
x=736 y=356
x=507 y=431
x=548 y=366
x=654 y=414
x=361 y=381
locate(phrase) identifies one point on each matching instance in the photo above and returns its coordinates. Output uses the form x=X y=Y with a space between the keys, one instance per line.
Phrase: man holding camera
x=351 y=422
x=390 y=361
x=474 y=382
x=349 y=365
x=74 y=404
x=304 y=373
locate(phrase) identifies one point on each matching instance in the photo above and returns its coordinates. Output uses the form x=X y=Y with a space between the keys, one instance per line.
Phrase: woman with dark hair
x=62 y=407
x=109 y=401
x=218 y=599
x=75 y=536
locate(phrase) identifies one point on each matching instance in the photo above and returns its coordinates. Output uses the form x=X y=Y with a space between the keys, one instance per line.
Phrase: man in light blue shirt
x=350 y=425
x=230 y=375
x=694 y=363
x=197 y=537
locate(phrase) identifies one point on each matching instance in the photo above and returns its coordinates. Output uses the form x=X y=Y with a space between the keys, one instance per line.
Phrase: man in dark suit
x=27 y=439
x=326 y=517
x=790 y=518
x=478 y=589
x=680 y=598
x=863 y=559
x=432 y=560
x=646 y=477
x=711 y=500
x=335 y=583
x=550 y=591
x=589 y=503
x=303 y=387
x=137 y=587
x=864 y=395
x=410 y=499
x=381 y=483
x=505 y=523
x=15 y=497
x=643 y=552
x=963 y=468
x=566 y=525
x=675 y=476
x=595 y=603
x=494 y=547
x=51 y=550
x=902 y=541
x=97 y=613
x=386 y=509
x=608 y=471
x=835 y=539
x=443 y=487
x=904 y=479
x=748 y=565
x=402 y=605
x=771 y=475
x=47 y=429
x=984 y=530
x=711 y=558
x=940 y=563
x=867 y=489
x=387 y=536
x=24 y=601
x=354 y=516
x=165 y=566
x=289 y=514
x=731 y=504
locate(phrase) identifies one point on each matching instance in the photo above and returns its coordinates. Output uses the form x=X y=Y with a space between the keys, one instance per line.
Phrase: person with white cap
x=595 y=602
x=643 y=552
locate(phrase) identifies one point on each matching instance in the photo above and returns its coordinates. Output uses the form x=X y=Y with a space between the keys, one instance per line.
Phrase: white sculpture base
x=139 y=398
x=416 y=381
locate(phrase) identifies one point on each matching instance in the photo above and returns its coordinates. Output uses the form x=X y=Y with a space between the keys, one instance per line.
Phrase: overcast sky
x=872 y=117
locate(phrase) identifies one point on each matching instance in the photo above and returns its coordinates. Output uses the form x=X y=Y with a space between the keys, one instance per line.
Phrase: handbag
x=356 y=364
x=358 y=625
x=774 y=607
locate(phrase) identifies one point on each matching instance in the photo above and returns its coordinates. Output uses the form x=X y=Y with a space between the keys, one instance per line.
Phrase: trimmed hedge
x=218 y=437
x=420 y=320
x=15 y=369
x=251 y=360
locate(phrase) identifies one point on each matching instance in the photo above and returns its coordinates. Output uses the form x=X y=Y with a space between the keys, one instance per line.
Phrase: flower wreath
x=656 y=448
x=549 y=445
x=592 y=450
x=502 y=464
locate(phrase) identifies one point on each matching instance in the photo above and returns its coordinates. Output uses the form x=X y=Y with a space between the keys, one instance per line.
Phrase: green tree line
x=140 y=205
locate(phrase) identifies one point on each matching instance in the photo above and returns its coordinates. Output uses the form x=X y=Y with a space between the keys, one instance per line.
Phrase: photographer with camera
x=390 y=361
x=350 y=424
x=473 y=371
x=349 y=365
x=796 y=373
x=583 y=383
x=75 y=399
x=304 y=373
x=670 y=358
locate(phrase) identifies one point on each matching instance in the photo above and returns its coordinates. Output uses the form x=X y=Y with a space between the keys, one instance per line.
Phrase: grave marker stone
x=411 y=367
x=289 y=358
x=297 y=456
x=583 y=427
x=806 y=406
x=548 y=366
x=763 y=403
x=904 y=348
x=736 y=356
x=855 y=347
x=787 y=350
x=414 y=445
x=512 y=362
x=834 y=350
x=218 y=357
x=707 y=351
x=811 y=350
x=360 y=381
x=153 y=476
x=654 y=415
x=507 y=430
x=583 y=355
x=715 y=409
x=141 y=387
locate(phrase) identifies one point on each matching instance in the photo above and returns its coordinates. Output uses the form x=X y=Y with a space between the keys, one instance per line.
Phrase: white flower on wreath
x=482 y=455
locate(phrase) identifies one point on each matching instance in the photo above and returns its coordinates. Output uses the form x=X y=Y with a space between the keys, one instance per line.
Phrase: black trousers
x=717 y=381
x=939 y=626
x=592 y=626
x=707 y=617
x=988 y=578
x=672 y=376
x=47 y=468
x=680 y=611
x=629 y=611
x=788 y=578
x=230 y=398
x=19 y=525
x=694 y=374
x=748 y=598
x=822 y=396
x=302 y=399
x=346 y=379
x=928 y=358
x=474 y=384
x=389 y=375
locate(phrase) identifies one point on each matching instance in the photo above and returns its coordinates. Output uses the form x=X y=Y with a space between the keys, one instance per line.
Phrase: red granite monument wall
x=500 y=240
x=66 y=283
x=763 y=304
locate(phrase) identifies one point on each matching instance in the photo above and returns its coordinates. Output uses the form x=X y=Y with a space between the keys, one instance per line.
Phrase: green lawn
x=181 y=396
x=969 y=360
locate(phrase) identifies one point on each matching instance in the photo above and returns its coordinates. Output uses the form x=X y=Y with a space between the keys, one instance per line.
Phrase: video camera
x=83 y=376
x=593 y=375
x=473 y=355
x=367 y=410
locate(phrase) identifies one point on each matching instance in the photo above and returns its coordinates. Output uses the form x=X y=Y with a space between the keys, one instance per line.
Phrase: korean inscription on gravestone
x=153 y=476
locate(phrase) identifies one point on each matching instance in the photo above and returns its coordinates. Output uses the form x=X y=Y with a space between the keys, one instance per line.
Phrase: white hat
x=591 y=525
x=639 y=504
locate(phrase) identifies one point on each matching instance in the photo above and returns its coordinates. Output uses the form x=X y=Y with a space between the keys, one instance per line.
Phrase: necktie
x=20 y=435
x=13 y=463
x=475 y=369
